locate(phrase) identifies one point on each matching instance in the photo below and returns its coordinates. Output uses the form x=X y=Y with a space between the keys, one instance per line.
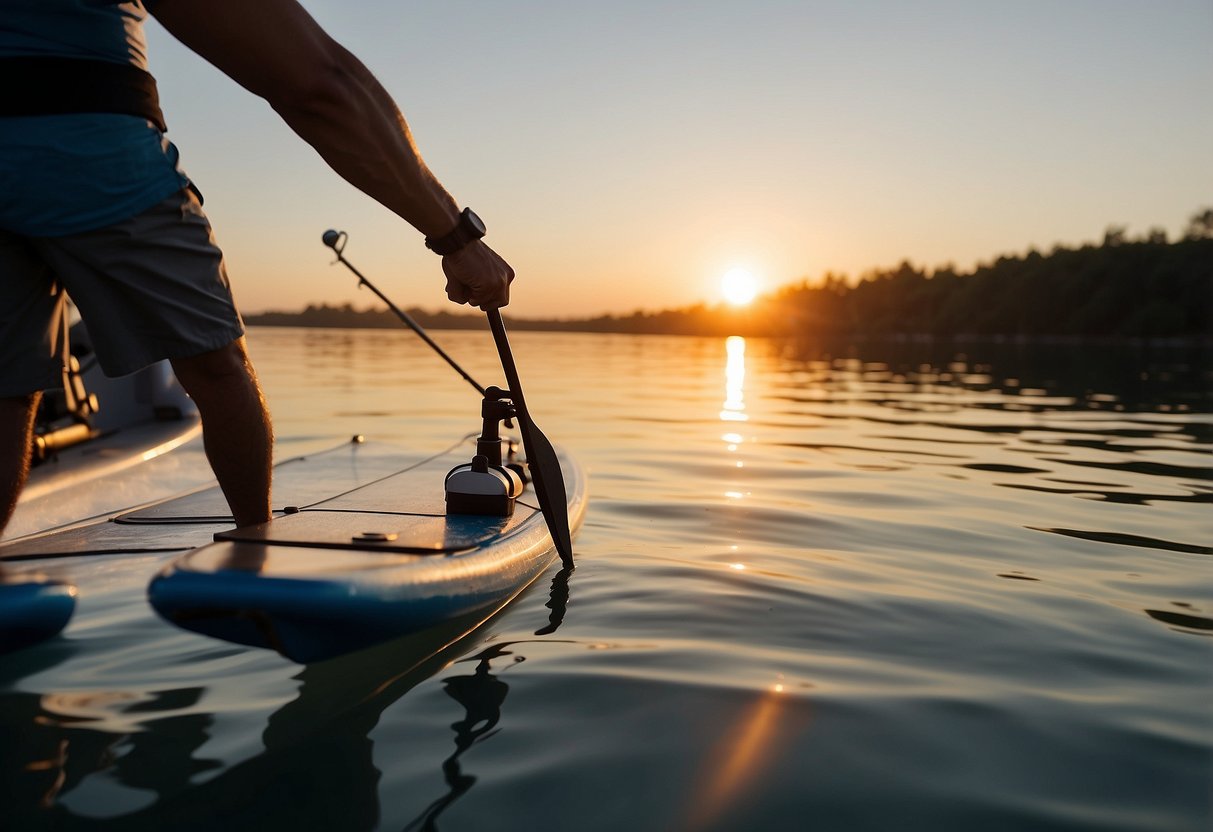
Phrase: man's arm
x=274 y=49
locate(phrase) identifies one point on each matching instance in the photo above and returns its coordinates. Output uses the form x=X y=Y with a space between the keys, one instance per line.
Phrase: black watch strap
x=469 y=228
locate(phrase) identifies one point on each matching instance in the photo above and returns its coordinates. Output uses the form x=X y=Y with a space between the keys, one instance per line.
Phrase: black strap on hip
x=40 y=86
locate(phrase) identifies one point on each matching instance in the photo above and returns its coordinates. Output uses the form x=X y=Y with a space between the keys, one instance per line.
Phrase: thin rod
x=409 y=322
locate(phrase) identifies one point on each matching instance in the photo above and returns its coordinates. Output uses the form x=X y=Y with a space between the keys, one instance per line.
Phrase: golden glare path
x=744 y=751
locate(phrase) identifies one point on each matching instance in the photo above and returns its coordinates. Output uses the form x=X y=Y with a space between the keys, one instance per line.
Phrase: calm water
x=883 y=588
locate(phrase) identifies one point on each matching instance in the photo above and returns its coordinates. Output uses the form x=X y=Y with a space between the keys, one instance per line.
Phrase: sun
x=739 y=287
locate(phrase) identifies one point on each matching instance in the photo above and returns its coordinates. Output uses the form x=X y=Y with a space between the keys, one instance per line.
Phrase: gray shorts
x=148 y=288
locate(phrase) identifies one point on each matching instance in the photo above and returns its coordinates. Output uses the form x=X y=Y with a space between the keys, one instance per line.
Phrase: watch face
x=470 y=228
x=474 y=222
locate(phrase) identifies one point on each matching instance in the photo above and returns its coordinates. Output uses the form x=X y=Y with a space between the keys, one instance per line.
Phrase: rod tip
x=331 y=237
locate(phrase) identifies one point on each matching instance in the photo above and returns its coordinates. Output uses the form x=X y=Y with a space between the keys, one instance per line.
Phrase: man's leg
x=236 y=429
x=16 y=442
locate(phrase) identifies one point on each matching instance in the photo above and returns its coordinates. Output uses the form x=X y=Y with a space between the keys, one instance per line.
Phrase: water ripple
x=1129 y=540
x=813 y=584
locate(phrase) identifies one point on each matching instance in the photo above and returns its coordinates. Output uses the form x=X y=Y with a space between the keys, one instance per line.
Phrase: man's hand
x=476 y=275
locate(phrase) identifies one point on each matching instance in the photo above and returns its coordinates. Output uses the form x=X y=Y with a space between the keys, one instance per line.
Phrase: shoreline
x=474 y=323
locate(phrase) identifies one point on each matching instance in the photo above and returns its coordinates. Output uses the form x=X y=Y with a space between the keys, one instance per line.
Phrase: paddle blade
x=541 y=456
x=549 y=486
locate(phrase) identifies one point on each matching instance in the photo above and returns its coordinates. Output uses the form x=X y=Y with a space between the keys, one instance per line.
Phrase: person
x=93 y=202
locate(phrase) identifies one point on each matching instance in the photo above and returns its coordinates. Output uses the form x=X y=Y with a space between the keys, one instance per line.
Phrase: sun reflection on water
x=756 y=740
x=734 y=382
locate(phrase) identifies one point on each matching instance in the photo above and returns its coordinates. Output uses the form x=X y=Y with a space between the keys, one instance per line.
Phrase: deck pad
x=102 y=537
x=378 y=532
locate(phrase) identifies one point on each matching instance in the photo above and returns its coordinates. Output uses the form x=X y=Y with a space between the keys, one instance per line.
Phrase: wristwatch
x=470 y=228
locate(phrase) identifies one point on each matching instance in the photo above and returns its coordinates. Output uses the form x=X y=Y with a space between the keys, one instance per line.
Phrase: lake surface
x=881 y=587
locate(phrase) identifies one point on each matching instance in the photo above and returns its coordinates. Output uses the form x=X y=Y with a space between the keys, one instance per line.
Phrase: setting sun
x=739 y=287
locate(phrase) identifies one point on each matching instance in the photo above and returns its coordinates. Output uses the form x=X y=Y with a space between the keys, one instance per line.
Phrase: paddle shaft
x=409 y=322
x=541 y=456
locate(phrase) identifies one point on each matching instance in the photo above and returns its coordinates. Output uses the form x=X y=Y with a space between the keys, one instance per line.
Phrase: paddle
x=541 y=456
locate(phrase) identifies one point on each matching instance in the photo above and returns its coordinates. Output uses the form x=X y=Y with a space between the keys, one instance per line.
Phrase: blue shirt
x=64 y=174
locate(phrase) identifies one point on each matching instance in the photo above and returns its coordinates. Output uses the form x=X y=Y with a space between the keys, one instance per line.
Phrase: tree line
x=1148 y=287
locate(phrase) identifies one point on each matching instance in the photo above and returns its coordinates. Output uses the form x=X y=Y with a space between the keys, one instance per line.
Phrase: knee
x=224 y=369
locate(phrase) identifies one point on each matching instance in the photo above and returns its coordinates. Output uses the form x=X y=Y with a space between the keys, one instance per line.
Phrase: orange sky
x=627 y=155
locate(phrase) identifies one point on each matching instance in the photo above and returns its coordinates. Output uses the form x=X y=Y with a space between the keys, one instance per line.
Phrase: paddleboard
x=33 y=608
x=95 y=428
x=361 y=550
x=376 y=562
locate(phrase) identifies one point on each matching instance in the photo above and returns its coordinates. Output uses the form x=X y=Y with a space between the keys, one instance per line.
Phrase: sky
x=626 y=155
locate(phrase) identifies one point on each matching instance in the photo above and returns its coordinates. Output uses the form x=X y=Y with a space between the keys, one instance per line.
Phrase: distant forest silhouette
x=1122 y=288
